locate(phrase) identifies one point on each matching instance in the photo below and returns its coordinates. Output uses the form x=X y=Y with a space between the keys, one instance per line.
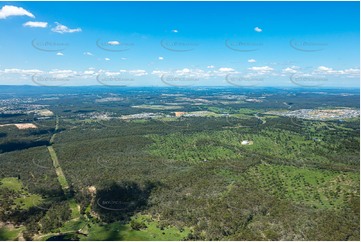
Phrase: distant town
x=320 y=114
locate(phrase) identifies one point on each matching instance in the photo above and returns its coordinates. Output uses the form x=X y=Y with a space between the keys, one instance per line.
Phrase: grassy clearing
x=10 y=234
x=59 y=172
x=73 y=225
x=22 y=198
x=248 y=111
x=151 y=231
x=11 y=183
x=27 y=201
x=70 y=227
x=154 y=231
x=74 y=207
x=139 y=121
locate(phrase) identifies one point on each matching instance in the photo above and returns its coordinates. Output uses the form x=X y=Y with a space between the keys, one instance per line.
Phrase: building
x=247 y=142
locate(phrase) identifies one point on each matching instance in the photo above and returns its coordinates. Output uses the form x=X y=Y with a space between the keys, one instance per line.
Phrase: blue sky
x=305 y=44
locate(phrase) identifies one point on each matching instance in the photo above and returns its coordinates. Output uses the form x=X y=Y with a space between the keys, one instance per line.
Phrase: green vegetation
x=59 y=172
x=10 y=234
x=140 y=228
x=198 y=147
x=181 y=178
x=312 y=187
x=11 y=183
x=20 y=197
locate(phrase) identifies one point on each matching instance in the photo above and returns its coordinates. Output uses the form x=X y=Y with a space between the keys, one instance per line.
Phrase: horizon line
x=239 y=87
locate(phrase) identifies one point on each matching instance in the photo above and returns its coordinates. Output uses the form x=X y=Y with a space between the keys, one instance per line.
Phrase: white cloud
x=59 y=54
x=123 y=58
x=321 y=71
x=159 y=73
x=113 y=42
x=12 y=74
x=192 y=74
x=185 y=72
x=32 y=24
x=89 y=72
x=292 y=69
x=61 y=29
x=324 y=68
x=261 y=68
x=123 y=72
x=107 y=59
x=111 y=73
x=138 y=72
x=225 y=69
x=88 y=53
x=21 y=71
x=351 y=72
x=257 y=29
x=327 y=70
x=7 y=11
x=62 y=73
x=160 y=58
x=210 y=67
x=251 y=60
x=175 y=30
x=222 y=72
x=57 y=71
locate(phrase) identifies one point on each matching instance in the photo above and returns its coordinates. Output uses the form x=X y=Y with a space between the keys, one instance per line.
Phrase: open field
x=21 y=126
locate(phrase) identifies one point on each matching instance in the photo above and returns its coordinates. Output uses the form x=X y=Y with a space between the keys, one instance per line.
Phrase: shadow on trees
x=12 y=146
x=118 y=202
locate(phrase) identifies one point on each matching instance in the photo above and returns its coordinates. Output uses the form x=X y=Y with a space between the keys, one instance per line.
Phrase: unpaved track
x=74 y=206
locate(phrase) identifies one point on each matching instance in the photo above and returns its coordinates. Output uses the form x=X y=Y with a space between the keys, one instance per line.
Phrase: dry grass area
x=45 y=112
x=22 y=126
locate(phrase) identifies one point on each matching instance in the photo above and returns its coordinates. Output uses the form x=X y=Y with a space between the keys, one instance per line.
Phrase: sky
x=241 y=44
